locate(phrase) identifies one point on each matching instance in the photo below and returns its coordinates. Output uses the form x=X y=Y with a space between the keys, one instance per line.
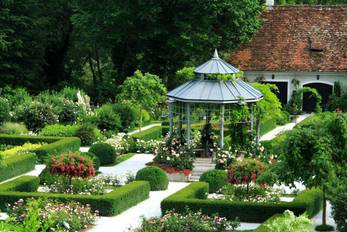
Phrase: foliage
x=71 y=165
x=108 y=204
x=183 y=75
x=253 y=193
x=224 y=158
x=87 y=134
x=59 y=130
x=36 y=115
x=187 y=221
x=43 y=215
x=17 y=165
x=338 y=200
x=156 y=177
x=127 y=114
x=21 y=184
x=4 y=110
x=289 y=222
x=18 y=150
x=13 y=128
x=174 y=153
x=313 y=2
x=245 y=171
x=142 y=146
x=194 y=197
x=215 y=178
x=107 y=119
x=120 y=143
x=105 y=152
x=143 y=90
x=149 y=134
x=69 y=112
x=295 y=102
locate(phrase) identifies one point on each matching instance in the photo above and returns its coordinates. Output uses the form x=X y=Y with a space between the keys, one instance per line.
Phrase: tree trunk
x=98 y=66
x=140 y=120
x=92 y=70
x=324 y=218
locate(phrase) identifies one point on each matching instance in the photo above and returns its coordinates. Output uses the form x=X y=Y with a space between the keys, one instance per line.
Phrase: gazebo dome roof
x=202 y=90
x=215 y=91
x=216 y=65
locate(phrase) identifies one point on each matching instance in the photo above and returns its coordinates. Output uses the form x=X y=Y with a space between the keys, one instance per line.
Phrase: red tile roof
x=297 y=38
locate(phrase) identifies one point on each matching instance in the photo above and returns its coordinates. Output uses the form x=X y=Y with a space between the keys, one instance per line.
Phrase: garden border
x=194 y=197
x=17 y=165
x=55 y=144
x=109 y=204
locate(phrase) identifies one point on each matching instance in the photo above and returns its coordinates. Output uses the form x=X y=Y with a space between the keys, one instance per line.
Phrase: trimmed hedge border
x=109 y=204
x=193 y=197
x=55 y=145
x=17 y=165
x=151 y=133
x=21 y=184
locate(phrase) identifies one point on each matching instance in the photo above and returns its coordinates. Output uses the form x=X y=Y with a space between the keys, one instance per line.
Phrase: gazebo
x=210 y=95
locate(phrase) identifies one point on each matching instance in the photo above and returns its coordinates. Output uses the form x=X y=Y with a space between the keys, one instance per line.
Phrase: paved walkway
x=144 y=128
x=273 y=133
x=131 y=218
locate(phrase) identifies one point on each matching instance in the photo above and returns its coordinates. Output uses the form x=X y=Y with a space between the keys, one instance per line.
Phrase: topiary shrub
x=215 y=178
x=87 y=134
x=96 y=160
x=105 y=152
x=156 y=177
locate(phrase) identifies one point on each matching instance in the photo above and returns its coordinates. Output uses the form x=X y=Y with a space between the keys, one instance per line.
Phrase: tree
x=267 y=108
x=163 y=36
x=315 y=154
x=143 y=90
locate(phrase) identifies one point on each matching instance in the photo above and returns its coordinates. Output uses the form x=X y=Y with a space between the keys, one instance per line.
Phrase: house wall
x=303 y=77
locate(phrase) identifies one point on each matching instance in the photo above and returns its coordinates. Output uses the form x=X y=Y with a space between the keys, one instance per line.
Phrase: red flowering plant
x=71 y=165
x=245 y=172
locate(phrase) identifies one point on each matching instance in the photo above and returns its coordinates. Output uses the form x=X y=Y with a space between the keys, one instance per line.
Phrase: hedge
x=151 y=133
x=109 y=204
x=21 y=184
x=16 y=165
x=54 y=145
x=192 y=196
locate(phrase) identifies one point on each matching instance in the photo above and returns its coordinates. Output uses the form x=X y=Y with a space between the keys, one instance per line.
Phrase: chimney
x=269 y=4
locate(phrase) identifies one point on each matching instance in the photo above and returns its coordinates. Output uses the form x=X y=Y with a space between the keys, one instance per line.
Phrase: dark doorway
x=282 y=90
x=324 y=90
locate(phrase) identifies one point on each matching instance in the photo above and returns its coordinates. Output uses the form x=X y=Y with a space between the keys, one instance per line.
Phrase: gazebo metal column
x=170 y=102
x=188 y=123
x=222 y=109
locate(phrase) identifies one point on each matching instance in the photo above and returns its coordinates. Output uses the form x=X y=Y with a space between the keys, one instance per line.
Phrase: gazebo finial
x=215 y=55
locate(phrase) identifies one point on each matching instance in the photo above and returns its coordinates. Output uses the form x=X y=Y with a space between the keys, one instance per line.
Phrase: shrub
x=21 y=184
x=283 y=118
x=59 y=130
x=289 y=222
x=87 y=134
x=4 y=110
x=109 y=204
x=94 y=158
x=193 y=196
x=16 y=165
x=13 y=128
x=156 y=177
x=245 y=171
x=107 y=118
x=69 y=112
x=127 y=115
x=187 y=221
x=37 y=114
x=47 y=178
x=339 y=204
x=215 y=178
x=105 y=152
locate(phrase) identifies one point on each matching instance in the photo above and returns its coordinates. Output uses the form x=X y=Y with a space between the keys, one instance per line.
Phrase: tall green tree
x=163 y=36
x=143 y=90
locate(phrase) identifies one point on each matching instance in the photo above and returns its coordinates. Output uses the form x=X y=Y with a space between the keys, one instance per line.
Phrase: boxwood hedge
x=16 y=165
x=108 y=204
x=193 y=197
x=151 y=133
x=55 y=145
x=21 y=184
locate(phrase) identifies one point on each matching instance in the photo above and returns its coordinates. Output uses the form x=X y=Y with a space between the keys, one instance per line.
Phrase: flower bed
x=109 y=204
x=194 y=197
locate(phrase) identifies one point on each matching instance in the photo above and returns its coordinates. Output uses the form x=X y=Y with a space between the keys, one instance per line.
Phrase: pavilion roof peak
x=216 y=66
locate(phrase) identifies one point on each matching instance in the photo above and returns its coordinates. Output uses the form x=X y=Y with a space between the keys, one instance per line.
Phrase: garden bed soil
x=173 y=174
